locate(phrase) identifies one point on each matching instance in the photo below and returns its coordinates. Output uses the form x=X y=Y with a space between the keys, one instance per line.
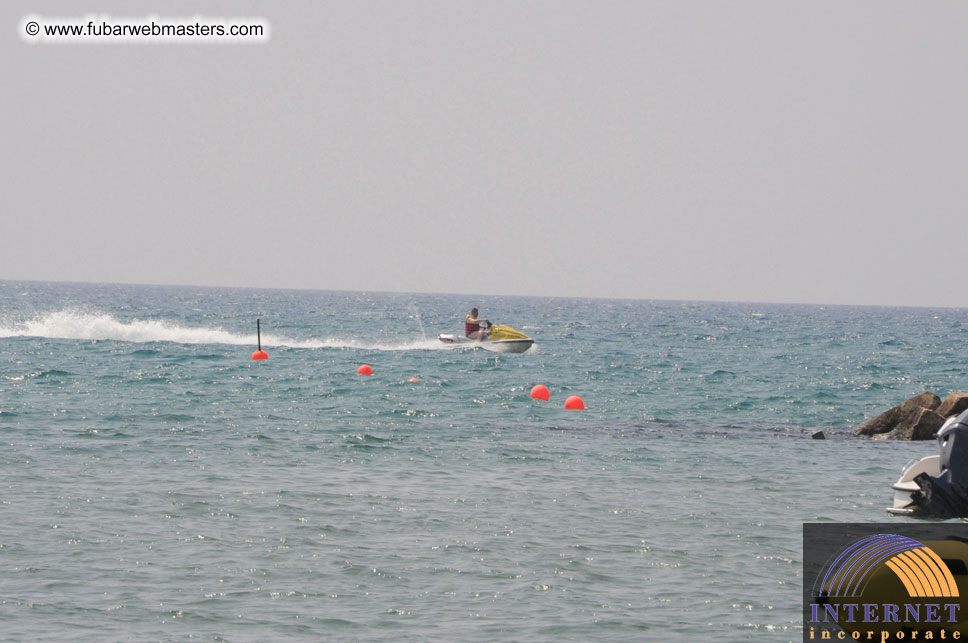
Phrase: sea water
x=158 y=484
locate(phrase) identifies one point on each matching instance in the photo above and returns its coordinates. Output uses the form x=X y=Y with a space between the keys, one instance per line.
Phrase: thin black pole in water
x=259 y=354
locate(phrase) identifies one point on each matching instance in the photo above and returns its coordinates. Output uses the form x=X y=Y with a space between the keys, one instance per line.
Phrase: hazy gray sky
x=745 y=151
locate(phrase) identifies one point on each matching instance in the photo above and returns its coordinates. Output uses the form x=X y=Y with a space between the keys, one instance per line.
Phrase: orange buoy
x=259 y=354
x=414 y=379
x=364 y=369
x=540 y=392
x=574 y=403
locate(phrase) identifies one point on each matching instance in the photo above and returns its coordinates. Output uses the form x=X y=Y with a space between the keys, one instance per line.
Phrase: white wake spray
x=73 y=324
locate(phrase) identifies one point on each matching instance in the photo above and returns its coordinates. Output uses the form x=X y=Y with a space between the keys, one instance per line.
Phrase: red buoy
x=259 y=354
x=574 y=403
x=540 y=392
x=364 y=369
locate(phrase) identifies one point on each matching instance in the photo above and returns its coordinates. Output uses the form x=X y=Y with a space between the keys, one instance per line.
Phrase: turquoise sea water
x=157 y=484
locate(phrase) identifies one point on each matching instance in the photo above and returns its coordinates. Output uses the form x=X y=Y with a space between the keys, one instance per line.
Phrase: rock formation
x=917 y=418
x=954 y=404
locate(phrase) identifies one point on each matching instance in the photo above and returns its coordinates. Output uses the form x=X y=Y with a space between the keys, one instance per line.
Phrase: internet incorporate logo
x=922 y=571
x=885 y=586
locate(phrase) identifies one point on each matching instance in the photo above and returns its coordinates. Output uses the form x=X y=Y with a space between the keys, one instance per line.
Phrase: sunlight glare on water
x=158 y=483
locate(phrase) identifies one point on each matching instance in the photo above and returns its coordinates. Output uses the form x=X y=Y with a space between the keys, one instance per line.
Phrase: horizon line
x=480 y=295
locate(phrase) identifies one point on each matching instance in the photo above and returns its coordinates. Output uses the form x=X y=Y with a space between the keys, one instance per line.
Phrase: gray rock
x=917 y=424
x=879 y=424
x=954 y=404
x=926 y=400
x=892 y=419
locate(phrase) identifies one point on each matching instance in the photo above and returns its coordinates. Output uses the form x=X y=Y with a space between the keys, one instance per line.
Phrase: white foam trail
x=412 y=345
x=72 y=324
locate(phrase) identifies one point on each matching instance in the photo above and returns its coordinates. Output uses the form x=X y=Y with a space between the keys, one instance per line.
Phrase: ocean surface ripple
x=157 y=484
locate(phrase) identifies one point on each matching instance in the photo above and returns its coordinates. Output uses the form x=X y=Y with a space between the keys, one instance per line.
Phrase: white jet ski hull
x=493 y=345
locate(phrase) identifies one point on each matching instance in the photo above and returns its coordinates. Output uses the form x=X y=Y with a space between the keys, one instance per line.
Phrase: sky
x=761 y=151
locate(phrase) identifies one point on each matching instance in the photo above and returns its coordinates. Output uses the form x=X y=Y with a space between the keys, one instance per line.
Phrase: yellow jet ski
x=499 y=339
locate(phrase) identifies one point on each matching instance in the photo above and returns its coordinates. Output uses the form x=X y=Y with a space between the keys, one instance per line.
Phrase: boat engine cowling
x=946 y=495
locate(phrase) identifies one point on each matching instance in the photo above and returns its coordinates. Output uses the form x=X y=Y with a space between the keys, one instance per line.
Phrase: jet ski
x=500 y=339
x=936 y=486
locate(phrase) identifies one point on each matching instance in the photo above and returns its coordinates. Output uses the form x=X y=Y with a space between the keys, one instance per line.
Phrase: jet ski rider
x=472 y=326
